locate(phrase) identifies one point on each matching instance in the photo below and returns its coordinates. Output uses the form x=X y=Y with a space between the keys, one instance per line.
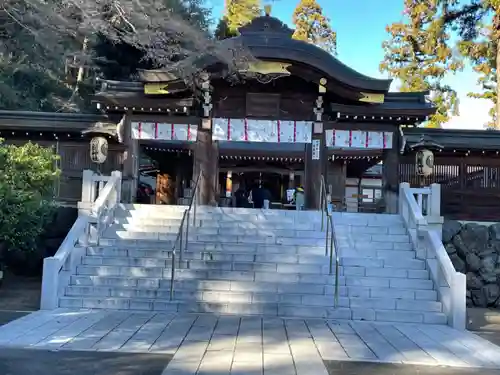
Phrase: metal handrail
x=183 y=242
x=178 y=239
x=330 y=241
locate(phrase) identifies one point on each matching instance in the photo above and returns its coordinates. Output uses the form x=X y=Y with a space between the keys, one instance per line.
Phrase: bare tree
x=171 y=34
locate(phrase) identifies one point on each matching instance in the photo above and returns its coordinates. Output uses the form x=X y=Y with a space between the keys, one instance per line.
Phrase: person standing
x=299 y=198
x=266 y=194
x=240 y=197
x=257 y=195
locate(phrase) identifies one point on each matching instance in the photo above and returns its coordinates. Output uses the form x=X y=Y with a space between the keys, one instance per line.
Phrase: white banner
x=303 y=132
x=262 y=130
x=358 y=139
x=220 y=129
x=254 y=130
x=375 y=140
x=164 y=131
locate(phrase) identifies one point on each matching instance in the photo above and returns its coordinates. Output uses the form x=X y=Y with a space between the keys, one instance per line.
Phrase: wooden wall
x=470 y=185
x=74 y=158
x=287 y=98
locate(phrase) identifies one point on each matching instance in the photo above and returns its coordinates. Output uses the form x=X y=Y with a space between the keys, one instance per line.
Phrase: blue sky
x=360 y=27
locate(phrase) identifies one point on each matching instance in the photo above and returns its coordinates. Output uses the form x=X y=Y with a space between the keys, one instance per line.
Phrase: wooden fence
x=470 y=186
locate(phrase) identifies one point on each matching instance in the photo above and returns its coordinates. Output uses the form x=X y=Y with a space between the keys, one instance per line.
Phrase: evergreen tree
x=419 y=57
x=313 y=27
x=478 y=25
x=222 y=30
x=483 y=54
x=239 y=13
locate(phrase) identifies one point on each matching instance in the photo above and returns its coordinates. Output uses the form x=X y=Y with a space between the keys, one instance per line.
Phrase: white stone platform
x=204 y=343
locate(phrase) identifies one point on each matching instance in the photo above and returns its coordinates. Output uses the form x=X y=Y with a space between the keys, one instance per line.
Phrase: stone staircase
x=247 y=262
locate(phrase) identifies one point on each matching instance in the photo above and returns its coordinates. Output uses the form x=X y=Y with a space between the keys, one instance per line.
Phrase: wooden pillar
x=206 y=153
x=206 y=160
x=130 y=161
x=316 y=155
x=390 y=175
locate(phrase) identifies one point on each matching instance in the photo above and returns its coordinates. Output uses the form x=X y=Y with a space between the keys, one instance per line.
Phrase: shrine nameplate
x=315 y=149
x=262 y=105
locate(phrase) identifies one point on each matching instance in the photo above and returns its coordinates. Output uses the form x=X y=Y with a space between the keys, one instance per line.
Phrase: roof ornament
x=426 y=142
x=266 y=25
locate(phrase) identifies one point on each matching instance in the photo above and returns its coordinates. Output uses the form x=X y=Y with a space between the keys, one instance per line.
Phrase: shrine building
x=289 y=114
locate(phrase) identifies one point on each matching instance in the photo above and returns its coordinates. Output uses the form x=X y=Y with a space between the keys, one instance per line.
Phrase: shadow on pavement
x=41 y=362
x=364 y=368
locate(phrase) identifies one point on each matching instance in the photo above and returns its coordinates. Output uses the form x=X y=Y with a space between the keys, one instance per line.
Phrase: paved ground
x=205 y=344
x=42 y=362
x=19 y=296
x=19 y=293
x=364 y=368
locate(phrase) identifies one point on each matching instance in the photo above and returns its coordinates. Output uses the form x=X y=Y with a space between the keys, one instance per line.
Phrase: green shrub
x=27 y=177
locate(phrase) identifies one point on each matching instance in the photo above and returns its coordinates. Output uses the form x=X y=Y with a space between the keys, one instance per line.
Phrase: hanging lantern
x=98 y=150
x=424 y=162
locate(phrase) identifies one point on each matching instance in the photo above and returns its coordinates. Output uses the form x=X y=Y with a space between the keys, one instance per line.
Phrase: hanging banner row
x=358 y=139
x=251 y=130
x=164 y=132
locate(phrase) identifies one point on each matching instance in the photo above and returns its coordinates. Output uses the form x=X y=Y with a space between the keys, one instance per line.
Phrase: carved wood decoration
x=372 y=97
x=165 y=189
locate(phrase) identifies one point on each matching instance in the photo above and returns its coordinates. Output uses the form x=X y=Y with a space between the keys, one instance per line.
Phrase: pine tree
x=240 y=12
x=418 y=56
x=313 y=27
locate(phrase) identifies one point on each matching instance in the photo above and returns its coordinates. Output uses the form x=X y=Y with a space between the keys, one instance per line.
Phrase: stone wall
x=474 y=250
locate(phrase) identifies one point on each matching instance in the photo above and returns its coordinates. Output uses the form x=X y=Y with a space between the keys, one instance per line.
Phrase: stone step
x=250 y=239
x=230 y=231
x=322 y=267
x=256 y=297
x=309 y=278
x=208 y=264
x=182 y=274
x=352 y=230
x=277 y=254
x=236 y=248
x=264 y=309
x=214 y=223
x=255 y=286
x=250 y=256
x=258 y=217
x=265 y=265
x=205 y=242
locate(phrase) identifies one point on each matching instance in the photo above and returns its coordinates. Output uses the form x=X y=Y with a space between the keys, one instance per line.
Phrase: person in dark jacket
x=258 y=196
x=240 y=197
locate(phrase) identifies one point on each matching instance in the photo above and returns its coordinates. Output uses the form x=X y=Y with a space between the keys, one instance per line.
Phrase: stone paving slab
x=208 y=344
